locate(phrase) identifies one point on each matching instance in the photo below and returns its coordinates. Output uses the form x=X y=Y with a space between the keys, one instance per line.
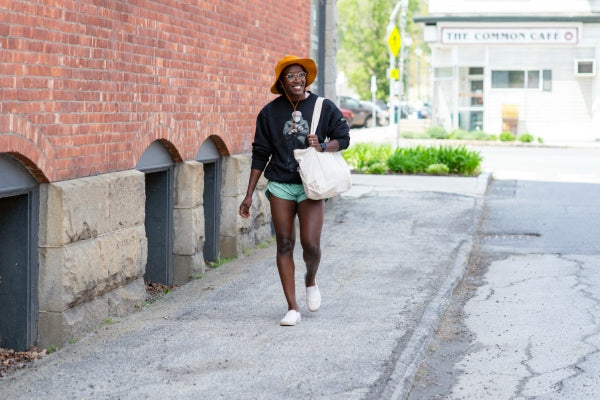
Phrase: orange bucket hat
x=307 y=63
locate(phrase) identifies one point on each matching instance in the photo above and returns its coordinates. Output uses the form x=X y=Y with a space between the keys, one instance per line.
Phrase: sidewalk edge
x=407 y=365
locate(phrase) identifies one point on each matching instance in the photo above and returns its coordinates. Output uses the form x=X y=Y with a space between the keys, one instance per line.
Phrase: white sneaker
x=291 y=318
x=313 y=297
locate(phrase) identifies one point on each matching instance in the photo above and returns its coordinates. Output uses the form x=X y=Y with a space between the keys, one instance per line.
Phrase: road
x=525 y=321
x=548 y=164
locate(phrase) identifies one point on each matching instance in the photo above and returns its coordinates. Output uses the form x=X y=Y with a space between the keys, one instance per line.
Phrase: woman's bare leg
x=310 y=215
x=283 y=213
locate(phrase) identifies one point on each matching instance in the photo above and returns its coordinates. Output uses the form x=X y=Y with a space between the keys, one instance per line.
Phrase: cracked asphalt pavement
x=525 y=321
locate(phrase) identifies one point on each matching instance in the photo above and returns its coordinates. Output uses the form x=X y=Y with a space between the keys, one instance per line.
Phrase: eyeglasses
x=301 y=75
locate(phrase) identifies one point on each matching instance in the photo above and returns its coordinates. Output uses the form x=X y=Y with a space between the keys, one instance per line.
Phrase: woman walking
x=281 y=127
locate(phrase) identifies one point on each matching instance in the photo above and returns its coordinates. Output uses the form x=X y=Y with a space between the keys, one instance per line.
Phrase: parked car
x=349 y=115
x=362 y=113
x=383 y=116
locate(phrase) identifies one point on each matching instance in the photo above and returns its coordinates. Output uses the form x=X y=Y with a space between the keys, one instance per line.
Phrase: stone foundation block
x=231 y=221
x=188 y=230
x=236 y=172
x=189 y=184
x=79 y=272
x=126 y=199
x=238 y=233
x=127 y=298
x=261 y=209
x=85 y=208
x=263 y=234
x=50 y=329
x=186 y=268
x=56 y=328
x=232 y=246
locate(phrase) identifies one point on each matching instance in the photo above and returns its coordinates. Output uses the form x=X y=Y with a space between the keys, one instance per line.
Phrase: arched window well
x=19 y=224
x=158 y=166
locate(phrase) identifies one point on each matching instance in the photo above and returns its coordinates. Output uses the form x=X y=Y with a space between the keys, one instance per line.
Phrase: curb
x=407 y=364
x=483 y=182
x=412 y=355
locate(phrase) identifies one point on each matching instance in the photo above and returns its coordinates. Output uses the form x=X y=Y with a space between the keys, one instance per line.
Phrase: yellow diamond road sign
x=394 y=41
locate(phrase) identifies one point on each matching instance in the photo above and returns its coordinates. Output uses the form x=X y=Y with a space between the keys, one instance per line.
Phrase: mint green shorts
x=286 y=191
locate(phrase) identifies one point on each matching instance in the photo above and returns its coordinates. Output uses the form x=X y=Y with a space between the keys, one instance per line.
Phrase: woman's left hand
x=313 y=141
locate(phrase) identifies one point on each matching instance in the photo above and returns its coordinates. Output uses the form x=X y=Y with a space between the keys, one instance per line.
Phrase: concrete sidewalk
x=393 y=249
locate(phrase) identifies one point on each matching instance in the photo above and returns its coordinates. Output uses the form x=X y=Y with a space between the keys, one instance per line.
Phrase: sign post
x=374 y=98
x=393 y=40
x=396 y=45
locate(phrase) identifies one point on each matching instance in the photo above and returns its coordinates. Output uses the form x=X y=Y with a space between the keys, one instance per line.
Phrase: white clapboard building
x=525 y=66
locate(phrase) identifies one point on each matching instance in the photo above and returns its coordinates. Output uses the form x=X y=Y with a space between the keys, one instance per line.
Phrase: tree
x=363 y=50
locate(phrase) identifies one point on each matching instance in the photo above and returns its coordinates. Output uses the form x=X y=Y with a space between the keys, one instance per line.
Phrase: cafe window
x=475 y=71
x=585 y=67
x=547 y=80
x=516 y=79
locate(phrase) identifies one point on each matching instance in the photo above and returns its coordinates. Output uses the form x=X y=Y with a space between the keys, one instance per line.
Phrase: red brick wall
x=87 y=85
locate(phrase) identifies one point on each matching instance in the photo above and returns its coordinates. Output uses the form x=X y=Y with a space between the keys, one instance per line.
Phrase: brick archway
x=161 y=127
x=21 y=139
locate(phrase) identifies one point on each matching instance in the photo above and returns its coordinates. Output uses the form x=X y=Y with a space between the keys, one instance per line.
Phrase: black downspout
x=321 y=46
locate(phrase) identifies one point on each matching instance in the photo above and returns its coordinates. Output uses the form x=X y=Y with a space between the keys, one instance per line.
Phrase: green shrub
x=437 y=169
x=480 y=135
x=540 y=140
x=526 y=138
x=469 y=163
x=493 y=138
x=507 y=137
x=362 y=155
x=377 y=168
x=437 y=132
x=403 y=163
x=458 y=160
x=414 y=135
x=379 y=159
x=461 y=134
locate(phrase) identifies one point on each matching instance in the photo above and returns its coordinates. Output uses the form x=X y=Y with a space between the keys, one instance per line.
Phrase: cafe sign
x=509 y=35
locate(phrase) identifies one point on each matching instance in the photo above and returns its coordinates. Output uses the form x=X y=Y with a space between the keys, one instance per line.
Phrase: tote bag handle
x=316 y=115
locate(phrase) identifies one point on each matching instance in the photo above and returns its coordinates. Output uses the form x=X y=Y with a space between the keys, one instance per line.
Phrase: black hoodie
x=278 y=135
